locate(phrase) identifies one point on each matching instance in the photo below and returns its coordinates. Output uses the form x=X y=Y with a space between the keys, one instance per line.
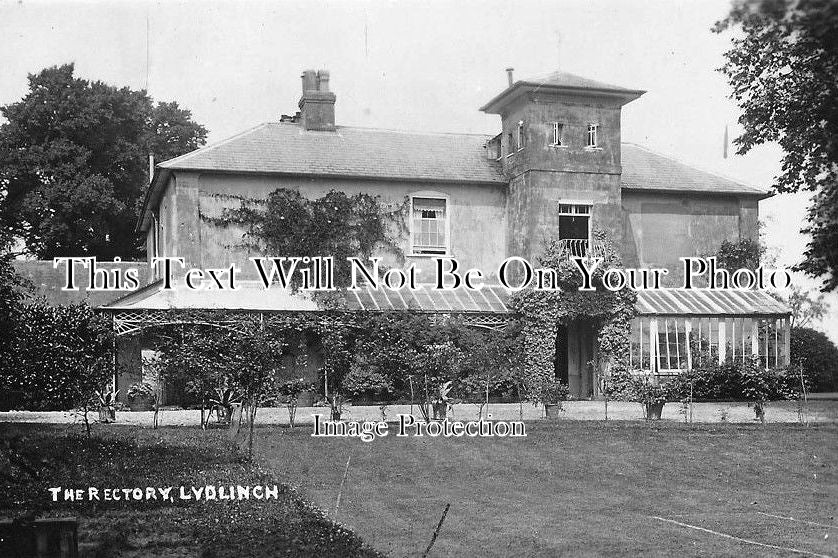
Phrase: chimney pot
x=509 y=76
x=309 y=81
x=323 y=80
x=317 y=104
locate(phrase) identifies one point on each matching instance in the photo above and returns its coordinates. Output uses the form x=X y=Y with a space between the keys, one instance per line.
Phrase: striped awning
x=491 y=299
x=706 y=302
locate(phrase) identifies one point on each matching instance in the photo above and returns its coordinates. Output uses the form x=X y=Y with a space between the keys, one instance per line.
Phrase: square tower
x=560 y=148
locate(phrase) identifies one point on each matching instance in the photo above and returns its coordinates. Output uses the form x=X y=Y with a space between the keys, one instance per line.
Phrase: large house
x=556 y=169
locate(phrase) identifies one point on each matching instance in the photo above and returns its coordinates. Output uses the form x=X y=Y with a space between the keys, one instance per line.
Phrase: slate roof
x=572 y=81
x=288 y=148
x=368 y=153
x=47 y=281
x=646 y=170
x=561 y=83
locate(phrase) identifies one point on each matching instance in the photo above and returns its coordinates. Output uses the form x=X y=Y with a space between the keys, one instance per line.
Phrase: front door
x=574 y=351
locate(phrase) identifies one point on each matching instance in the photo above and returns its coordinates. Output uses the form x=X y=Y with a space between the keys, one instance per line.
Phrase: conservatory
x=675 y=323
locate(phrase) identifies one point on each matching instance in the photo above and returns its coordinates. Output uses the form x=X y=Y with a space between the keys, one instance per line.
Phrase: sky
x=412 y=65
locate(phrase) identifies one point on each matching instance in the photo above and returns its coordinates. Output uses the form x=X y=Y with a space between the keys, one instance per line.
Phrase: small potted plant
x=652 y=395
x=107 y=405
x=440 y=401
x=552 y=393
x=140 y=396
x=337 y=403
x=222 y=403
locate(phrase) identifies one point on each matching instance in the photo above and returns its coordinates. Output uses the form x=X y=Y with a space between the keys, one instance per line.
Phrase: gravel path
x=779 y=412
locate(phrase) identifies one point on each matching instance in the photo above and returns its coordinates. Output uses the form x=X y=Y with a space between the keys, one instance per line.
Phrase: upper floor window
x=574 y=221
x=510 y=144
x=592 y=140
x=575 y=228
x=429 y=225
x=556 y=134
x=522 y=139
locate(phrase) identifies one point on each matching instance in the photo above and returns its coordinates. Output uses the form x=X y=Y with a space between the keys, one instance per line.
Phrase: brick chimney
x=317 y=105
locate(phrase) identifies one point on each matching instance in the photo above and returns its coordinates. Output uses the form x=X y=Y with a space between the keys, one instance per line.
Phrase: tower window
x=521 y=137
x=574 y=221
x=592 y=139
x=557 y=132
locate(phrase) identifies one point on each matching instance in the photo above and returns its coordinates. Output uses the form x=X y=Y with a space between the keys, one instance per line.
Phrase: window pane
x=429 y=222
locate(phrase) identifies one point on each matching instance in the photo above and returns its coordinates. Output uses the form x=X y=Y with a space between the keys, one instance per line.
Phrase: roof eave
x=626 y=95
x=739 y=193
x=161 y=177
x=501 y=180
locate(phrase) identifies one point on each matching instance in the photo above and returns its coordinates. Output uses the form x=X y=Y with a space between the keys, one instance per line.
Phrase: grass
x=569 y=488
x=577 y=489
x=36 y=457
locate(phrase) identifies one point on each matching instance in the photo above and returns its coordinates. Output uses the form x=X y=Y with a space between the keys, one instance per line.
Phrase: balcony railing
x=580 y=248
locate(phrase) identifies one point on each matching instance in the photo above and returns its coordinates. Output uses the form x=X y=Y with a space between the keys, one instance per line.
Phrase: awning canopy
x=251 y=296
x=706 y=302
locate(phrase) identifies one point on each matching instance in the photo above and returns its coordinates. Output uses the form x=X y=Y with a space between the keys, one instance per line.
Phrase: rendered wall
x=660 y=228
x=476 y=214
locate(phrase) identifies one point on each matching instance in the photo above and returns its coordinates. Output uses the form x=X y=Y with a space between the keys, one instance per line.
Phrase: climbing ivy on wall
x=542 y=312
x=336 y=224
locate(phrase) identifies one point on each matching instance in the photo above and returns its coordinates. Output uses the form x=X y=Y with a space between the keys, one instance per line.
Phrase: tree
x=744 y=253
x=198 y=358
x=254 y=360
x=817 y=355
x=13 y=288
x=73 y=163
x=806 y=308
x=58 y=355
x=782 y=69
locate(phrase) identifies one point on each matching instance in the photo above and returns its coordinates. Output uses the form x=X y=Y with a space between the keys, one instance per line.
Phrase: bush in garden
x=291 y=390
x=365 y=380
x=390 y=343
x=549 y=391
x=818 y=356
x=758 y=386
x=742 y=379
x=435 y=367
x=196 y=356
x=58 y=356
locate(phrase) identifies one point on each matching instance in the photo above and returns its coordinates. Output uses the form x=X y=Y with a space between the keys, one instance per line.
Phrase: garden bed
x=35 y=458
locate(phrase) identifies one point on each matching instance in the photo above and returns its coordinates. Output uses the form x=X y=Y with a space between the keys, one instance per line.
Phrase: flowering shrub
x=139 y=390
x=366 y=380
x=550 y=392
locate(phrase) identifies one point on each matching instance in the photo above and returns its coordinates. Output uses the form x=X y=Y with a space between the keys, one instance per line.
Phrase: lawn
x=569 y=488
x=34 y=458
x=578 y=489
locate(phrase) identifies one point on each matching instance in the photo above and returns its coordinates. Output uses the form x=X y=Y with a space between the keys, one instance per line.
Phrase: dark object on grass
x=654 y=410
x=552 y=410
x=436 y=531
x=44 y=538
